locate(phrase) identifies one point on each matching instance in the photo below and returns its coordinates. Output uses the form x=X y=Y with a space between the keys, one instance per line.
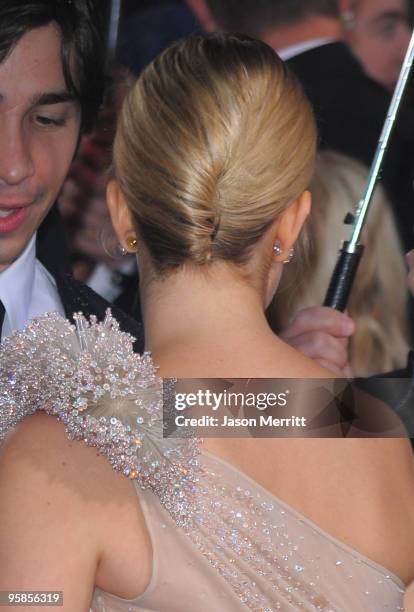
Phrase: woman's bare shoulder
x=366 y=497
x=60 y=475
x=360 y=490
x=75 y=499
x=58 y=469
x=43 y=478
x=386 y=494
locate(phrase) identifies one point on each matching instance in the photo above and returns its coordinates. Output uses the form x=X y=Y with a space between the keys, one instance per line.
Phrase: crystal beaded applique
x=104 y=393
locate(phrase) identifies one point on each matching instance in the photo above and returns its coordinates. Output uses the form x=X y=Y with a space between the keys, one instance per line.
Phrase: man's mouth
x=4 y=212
x=12 y=216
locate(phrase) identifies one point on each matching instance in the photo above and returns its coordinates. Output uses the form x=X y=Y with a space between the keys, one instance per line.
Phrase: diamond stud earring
x=277 y=249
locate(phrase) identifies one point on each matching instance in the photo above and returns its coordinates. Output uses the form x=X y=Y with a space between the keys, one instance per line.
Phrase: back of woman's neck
x=201 y=313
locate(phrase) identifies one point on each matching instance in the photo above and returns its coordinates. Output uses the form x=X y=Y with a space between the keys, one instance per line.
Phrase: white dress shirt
x=27 y=290
x=289 y=52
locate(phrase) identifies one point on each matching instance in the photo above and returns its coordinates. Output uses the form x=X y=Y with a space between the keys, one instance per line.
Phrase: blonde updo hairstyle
x=213 y=142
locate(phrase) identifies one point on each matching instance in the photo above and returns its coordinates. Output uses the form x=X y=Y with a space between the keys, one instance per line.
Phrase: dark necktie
x=2 y=313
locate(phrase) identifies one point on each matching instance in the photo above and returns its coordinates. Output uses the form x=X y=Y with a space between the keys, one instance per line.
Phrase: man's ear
x=120 y=214
x=290 y=221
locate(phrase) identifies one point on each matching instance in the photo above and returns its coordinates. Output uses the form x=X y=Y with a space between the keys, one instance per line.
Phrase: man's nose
x=16 y=160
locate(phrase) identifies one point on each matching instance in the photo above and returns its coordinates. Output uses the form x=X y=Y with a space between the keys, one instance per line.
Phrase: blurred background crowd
x=348 y=55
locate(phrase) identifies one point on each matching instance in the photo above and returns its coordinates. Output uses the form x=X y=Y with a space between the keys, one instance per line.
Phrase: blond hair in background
x=378 y=302
x=210 y=147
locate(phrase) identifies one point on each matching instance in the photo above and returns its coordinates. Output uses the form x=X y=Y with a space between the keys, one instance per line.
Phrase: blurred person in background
x=378 y=32
x=146 y=33
x=378 y=302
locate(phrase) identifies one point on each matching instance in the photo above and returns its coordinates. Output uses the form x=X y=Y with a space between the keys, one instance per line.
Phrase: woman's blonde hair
x=378 y=302
x=215 y=139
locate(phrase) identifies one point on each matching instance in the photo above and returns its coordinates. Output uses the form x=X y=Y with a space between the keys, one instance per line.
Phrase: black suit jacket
x=351 y=109
x=52 y=251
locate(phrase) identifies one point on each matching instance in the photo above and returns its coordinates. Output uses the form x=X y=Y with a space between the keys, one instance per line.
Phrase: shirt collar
x=16 y=286
x=289 y=52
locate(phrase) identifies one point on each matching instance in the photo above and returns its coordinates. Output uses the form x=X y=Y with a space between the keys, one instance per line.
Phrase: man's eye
x=388 y=30
x=49 y=121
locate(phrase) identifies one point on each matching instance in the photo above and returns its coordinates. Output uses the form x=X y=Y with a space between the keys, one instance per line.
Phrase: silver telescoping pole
x=351 y=251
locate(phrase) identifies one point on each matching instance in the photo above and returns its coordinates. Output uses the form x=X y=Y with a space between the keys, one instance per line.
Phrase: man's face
x=39 y=127
x=380 y=38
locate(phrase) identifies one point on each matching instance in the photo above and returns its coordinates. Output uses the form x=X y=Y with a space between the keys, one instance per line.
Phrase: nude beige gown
x=221 y=543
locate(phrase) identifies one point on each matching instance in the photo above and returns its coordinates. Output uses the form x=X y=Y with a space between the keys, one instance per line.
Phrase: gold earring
x=132 y=244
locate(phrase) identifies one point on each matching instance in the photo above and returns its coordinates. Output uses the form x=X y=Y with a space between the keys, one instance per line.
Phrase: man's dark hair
x=81 y=27
x=253 y=17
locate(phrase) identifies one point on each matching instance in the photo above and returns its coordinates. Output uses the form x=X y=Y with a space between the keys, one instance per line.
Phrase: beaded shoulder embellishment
x=89 y=377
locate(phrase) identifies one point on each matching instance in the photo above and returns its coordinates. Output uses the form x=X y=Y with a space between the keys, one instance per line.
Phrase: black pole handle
x=343 y=278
